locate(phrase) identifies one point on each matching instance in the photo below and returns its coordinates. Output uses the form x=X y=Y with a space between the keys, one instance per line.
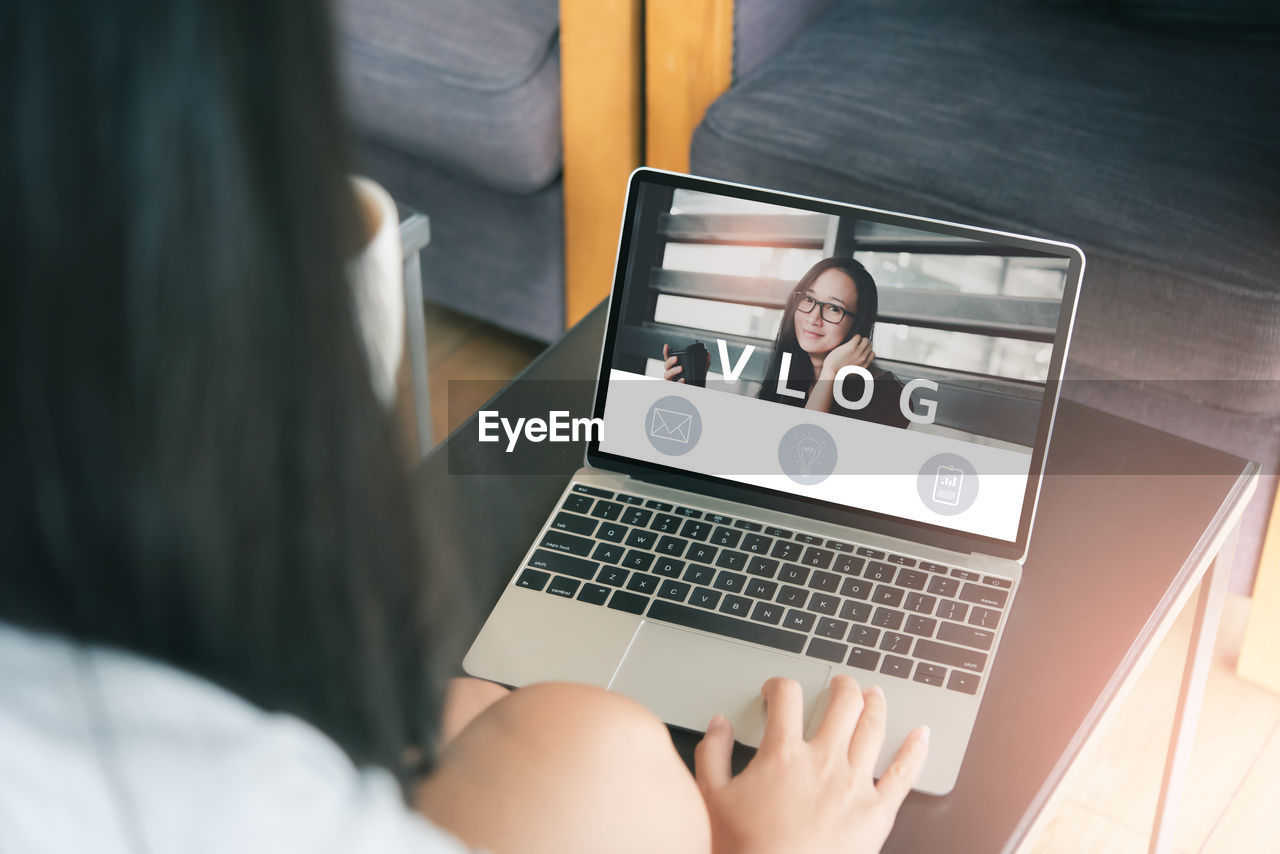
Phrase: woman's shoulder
x=132 y=747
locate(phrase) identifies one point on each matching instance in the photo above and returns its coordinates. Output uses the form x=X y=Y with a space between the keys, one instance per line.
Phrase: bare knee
x=563 y=767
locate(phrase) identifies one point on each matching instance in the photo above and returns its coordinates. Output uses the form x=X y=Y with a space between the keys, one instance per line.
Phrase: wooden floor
x=1231 y=802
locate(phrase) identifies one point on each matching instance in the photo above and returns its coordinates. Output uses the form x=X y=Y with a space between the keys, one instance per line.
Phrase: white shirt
x=103 y=751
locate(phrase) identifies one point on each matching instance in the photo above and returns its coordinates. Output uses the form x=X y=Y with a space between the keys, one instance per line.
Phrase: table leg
x=1195 y=675
x=417 y=329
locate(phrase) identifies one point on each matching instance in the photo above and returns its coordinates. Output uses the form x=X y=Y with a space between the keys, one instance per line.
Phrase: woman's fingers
x=784 y=712
x=843 y=710
x=905 y=768
x=868 y=735
x=712 y=757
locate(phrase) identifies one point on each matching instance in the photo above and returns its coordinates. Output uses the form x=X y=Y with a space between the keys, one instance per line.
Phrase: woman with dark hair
x=827 y=326
x=216 y=632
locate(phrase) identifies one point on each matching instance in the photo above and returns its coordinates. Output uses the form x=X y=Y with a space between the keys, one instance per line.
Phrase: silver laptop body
x=714 y=539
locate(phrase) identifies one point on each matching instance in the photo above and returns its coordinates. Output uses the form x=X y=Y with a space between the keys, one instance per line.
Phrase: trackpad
x=686 y=677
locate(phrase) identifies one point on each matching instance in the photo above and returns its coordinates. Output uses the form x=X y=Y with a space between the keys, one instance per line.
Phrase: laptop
x=847 y=483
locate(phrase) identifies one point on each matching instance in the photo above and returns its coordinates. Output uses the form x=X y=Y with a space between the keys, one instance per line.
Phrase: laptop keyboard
x=789 y=590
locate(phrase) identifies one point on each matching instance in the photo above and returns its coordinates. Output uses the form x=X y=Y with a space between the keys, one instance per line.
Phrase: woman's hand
x=814 y=796
x=671 y=365
x=856 y=351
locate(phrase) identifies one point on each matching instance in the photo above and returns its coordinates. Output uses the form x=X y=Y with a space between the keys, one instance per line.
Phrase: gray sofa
x=1146 y=133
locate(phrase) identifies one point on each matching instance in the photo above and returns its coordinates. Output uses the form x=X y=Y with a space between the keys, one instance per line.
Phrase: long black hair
x=194 y=465
x=801 y=371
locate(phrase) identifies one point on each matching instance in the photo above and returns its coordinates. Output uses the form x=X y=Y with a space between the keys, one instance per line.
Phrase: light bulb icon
x=807 y=452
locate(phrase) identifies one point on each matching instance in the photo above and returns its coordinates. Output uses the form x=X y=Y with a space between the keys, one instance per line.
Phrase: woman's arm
x=854 y=352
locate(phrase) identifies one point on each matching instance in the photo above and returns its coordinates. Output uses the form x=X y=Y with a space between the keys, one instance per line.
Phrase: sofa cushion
x=1155 y=153
x=470 y=85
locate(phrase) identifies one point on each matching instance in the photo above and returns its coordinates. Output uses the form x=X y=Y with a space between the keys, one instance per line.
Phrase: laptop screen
x=858 y=361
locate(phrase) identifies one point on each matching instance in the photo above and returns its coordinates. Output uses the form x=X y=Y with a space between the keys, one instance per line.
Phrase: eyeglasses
x=831 y=312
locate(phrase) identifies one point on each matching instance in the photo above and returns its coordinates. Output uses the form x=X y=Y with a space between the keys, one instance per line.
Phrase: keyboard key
x=665 y=523
x=837 y=546
x=614 y=576
x=761 y=589
x=902 y=560
x=984 y=618
x=607 y=510
x=919 y=603
x=964 y=575
x=923 y=626
x=636 y=516
x=574 y=524
x=756 y=544
x=629 y=499
x=747 y=526
x=886 y=595
x=701 y=552
x=762 y=566
x=638 y=560
x=966 y=683
x=695 y=530
x=673 y=546
x=856 y=588
x=998 y=582
x=642 y=582
x=699 y=574
x=949 y=610
x=688 y=512
x=863 y=551
x=594 y=594
x=865 y=635
x=827 y=650
x=777 y=532
x=808 y=539
x=895 y=666
x=929 y=674
x=858 y=612
x=912 y=579
x=814 y=556
x=827 y=582
x=612 y=531
x=830 y=627
x=799 y=620
x=533 y=579
x=676 y=591
x=952 y=656
x=895 y=642
x=882 y=572
x=887 y=618
x=704 y=597
x=592 y=490
x=736 y=605
x=707 y=621
x=793 y=573
x=562 y=542
x=730 y=581
x=934 y=567
x=862 y=657
x=641 y=539
x=767 y=612
x=725 y=537
x=577 y=503
x=791 y=595
x=966 y=636
x=948 y=587
x=729 y=559
x=668 y=566
x=608 y=552
x=563 y=564
x=660 y=506
x=563 y=587
x=992 y=597
x=786 y=550
x=824 y=603
x=632 y=603
x=848 y=564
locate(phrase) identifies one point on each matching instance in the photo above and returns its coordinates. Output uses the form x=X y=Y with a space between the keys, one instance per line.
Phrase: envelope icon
x=670 y=425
